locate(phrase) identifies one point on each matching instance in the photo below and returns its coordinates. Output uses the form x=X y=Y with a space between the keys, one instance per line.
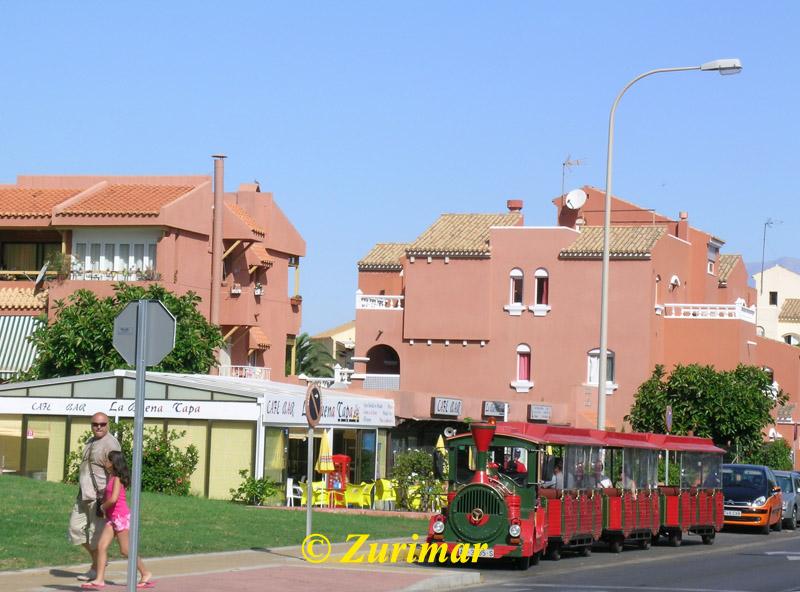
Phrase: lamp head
x=724 y=67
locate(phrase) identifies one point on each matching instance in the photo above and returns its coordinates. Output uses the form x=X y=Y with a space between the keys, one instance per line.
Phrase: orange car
x=752 y=497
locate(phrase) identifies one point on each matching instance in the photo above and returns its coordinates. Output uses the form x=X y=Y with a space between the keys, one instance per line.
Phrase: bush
x=415 y=468
x=254 y=491
x=165 y=467
x=776 y=455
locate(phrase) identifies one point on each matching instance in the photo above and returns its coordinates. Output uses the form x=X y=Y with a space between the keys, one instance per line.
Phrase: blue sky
x=368 y=119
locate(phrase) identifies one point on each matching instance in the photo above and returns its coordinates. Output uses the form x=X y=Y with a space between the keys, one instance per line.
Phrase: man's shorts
x=85 y=526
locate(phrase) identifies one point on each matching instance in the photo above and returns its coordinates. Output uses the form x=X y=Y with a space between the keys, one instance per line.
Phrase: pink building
x=482 y=315
x=144 y=229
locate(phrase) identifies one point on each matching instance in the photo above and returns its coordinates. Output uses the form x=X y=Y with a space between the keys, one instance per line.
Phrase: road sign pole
x=138 y=433
x=309 y=478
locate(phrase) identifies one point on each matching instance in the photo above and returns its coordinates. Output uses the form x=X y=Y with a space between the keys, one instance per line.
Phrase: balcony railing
x=379 y=382
x=378 y=302
x=736 y=311
x=256 y=372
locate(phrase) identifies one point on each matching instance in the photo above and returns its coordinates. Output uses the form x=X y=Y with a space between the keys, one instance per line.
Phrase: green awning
x=16 y=350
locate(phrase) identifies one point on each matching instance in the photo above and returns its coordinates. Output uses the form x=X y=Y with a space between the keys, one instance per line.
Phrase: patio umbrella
x=324 y=461
x=441 y=452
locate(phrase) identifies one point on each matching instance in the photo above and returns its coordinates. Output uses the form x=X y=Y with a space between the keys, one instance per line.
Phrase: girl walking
x=118 y=517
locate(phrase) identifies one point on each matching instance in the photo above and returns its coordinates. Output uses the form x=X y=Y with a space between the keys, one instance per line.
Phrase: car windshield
x=785 y=483
x=744 y=484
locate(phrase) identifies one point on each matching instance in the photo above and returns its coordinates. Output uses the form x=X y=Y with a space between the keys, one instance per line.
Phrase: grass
x=34 y=517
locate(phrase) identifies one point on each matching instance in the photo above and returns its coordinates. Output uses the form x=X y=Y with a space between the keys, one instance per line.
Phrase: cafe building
x=235 y=423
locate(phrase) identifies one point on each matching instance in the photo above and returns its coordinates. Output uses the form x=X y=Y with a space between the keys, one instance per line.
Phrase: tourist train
x=533 y=490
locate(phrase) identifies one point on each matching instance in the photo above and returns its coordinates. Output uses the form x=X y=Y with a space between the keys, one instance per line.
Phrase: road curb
x=450 y=581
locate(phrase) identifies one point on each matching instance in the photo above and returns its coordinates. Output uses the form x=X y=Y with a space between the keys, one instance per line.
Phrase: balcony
x=737 y=311
x=379 y=382
x=378 y=302
x=256 y=372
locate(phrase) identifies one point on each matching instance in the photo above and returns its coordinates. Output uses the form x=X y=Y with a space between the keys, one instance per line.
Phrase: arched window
x=791 y=339
x=593 y=374
x=515 y=306
x=542 y=286
x=523 y=382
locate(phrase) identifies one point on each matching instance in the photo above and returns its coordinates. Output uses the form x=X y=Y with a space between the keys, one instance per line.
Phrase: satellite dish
x=40 y=277
x=575 y=199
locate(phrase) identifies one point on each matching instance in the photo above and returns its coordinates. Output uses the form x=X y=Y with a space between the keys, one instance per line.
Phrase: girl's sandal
x=147 y=584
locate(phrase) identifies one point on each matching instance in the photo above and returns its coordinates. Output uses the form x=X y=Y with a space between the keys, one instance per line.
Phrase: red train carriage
x=528 y=489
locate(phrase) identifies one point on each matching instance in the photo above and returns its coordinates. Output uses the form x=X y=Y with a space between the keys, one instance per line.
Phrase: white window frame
x=513 y=308
x=89 y=263
x=523 y=386
x=593 y=369
x=540 y=310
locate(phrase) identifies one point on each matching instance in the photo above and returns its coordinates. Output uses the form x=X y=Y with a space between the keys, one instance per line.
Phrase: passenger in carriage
x=600 y=479
x=628 y=482
x=557 y=481
x=580 y=478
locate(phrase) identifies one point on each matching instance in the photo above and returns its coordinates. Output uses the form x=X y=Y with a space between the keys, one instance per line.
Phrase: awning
x=16 y=351
x=258 y=340
x=257 y=256
x=685 y=443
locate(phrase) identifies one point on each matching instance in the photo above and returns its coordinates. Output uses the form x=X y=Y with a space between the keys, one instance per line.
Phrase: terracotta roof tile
x=726 y=265
x=126 y=200
x=246 y=218
x=790 y=311
x=383 y=257
x=16 y=202
x=257 y=339
x=626 y=242
x=22 y=299
x=257 y=255
x=460 y=234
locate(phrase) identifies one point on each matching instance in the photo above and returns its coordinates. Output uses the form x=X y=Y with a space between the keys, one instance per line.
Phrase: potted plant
x=258 y=290
x=296 y=300
x=236 y=288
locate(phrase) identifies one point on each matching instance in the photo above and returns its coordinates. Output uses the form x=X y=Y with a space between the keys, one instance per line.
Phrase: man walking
x=85 y=523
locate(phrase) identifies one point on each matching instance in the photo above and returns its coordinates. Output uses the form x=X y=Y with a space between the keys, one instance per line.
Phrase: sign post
x=313 y=409
x=668 y=421
x=144 y=333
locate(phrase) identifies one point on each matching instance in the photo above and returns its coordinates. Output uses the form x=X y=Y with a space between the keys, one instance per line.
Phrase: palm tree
x=311 y=358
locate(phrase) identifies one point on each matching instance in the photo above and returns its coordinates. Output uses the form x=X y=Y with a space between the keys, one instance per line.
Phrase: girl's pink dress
x=119 y=515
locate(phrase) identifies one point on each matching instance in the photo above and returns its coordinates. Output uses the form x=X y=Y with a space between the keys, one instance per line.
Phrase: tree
x=79 y=341
x=776 y=455
x=731 y=407
x=311 y=358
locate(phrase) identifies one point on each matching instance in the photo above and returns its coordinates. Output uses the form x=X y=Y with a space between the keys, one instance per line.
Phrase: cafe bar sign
x=539 y=412
x=443 y=407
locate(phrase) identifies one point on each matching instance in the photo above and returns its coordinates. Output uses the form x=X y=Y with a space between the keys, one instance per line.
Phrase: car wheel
x=792 y=524
x=765 y=529
x=779 y=524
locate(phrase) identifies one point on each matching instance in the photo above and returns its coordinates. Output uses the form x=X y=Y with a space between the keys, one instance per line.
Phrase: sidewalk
x=254 y=570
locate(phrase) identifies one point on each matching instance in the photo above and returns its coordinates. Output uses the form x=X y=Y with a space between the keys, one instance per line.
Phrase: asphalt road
x=737 y=562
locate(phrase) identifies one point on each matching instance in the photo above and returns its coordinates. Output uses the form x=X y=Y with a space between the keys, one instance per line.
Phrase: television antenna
x=568 y=165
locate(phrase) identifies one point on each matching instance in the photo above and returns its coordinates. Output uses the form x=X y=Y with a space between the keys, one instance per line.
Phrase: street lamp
x=726 y=66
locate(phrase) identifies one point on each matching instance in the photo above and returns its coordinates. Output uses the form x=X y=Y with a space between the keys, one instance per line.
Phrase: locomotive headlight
x=438 y=527
x=514 y=530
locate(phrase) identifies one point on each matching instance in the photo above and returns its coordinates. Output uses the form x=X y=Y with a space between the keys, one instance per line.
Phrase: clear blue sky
x=367 y=120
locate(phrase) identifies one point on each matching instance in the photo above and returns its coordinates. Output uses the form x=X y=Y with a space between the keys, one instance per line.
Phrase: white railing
x=340 y=376
x=378 y=302
x=256 y=372
x=379 y=382
x=736 y=311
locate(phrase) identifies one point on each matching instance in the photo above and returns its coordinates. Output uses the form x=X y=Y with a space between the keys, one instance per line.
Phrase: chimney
x=514 y=205
x=216 y=237
x=682 y=231
x=482 y=434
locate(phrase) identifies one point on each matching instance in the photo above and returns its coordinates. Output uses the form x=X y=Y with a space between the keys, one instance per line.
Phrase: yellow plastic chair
x=319 y=495
x=353 y=495
x=414 y=499
x=366 y=494
x=385 y=493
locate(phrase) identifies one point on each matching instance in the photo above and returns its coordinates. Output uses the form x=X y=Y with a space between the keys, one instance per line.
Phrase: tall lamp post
x=726 y=66
x=768 y=224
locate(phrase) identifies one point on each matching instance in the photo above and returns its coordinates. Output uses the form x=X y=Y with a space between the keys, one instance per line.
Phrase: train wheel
x=586 y=551
x=708 y=539
x=654 y=539
x=523 y=563
x=644 y=544
x=535 y=558
x=674 y=539
x=615 y=546
x=554 y=554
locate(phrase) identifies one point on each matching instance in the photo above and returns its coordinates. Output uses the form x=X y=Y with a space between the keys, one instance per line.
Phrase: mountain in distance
x=790 y=263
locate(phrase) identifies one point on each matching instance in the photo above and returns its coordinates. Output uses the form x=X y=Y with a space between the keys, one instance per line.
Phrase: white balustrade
x=380 y=382
x=736 y=311
x=256 y=372
x=378 y=302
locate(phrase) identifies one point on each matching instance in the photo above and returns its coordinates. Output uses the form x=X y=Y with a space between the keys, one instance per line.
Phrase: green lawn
x=34 y=517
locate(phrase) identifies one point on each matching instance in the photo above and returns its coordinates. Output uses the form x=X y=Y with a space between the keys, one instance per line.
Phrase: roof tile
x=246 y=218
x=126 y=200
x=460 y=234
x=257 y=339
x=17 y=202
x=383 y=257
x=626 y=242
x=22 y=299
x=790 y=311
x=726 y=265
